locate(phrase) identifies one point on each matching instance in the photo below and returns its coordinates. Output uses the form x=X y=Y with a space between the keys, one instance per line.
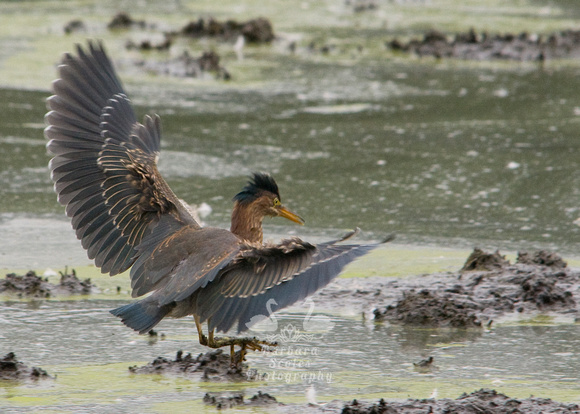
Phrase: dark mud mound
x=482 y=46
x=75 y=26
x=187 y=66
x=150 y=44
x=487 y=287
x=13 y=370
x=26 y=285
x=359 y=6
x=31 y=285
x=212 y=366
x=123 y=20
x=71 y=284
x=480 y=260
x=484 y=401
x=542 y=291
x=542 y=258
x=254 y=31
x=425 y=308
x=231 y=400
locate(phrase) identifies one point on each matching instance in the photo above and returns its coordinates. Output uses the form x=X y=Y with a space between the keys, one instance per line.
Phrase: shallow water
x=443 y=153
x=80 y=343
x=445 y=161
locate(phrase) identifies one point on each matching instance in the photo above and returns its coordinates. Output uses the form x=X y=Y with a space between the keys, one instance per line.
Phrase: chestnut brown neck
x=247 y=222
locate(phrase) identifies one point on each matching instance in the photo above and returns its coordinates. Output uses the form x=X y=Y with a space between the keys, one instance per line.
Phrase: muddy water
x=434 y=155
x=445 y=154
x=80 y=344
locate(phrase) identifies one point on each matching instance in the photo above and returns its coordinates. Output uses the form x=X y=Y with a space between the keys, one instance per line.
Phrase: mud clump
x=542 y=258
x=483 y=46
x=543 y=292
x=480 y=260
x=488 y=286
x=13 y=370
x=27 y=285
x=75 y=26
x=150 y=44
x=231 y=400
x=482 y=401
x=125 y=21
x=359 y=6
x=427 y=308
x=70 y=283
x=31 y=285
x=187 y=66
x=257 y=30
x=211 y=366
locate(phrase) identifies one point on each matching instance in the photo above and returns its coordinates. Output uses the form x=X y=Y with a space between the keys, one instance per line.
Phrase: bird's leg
x=243 y=353
x=202 y=338
x=241 y=356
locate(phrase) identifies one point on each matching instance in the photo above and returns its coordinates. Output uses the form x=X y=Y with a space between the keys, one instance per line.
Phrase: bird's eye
x=276 y=202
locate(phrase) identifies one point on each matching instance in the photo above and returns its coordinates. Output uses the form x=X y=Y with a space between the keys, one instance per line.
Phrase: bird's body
x=126 y=216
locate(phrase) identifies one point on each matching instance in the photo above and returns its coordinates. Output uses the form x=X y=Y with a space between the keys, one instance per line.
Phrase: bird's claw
x=245 y=344
x=253 y=344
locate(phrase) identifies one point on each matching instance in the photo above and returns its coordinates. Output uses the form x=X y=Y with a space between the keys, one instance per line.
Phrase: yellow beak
x=284 y=212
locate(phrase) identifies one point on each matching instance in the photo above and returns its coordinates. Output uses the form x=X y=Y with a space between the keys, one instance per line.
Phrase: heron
x=127 y=217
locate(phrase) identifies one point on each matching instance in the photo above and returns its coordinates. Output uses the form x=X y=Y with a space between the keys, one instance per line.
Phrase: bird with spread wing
x=126 y=216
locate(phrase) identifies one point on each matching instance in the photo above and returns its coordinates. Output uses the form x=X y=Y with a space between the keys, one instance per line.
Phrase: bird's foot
x=245 y=344
x=252 y=344
x=203 y=340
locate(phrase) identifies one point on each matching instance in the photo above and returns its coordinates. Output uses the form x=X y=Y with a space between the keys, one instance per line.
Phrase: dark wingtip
x=350 y=234
x=389 y=238
x=258 y=183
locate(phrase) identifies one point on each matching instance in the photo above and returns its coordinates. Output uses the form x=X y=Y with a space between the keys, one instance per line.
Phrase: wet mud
x=123 y=20
x=483 y=46
x=486 y=288
x=75 y=26
x=230 y=400
x=253 y=31
x=359 y=6
x=13 y=370
x=427 y=308
x=257 y=30
x=31 y=285
x=210 y=366
x=150 y=44
x=478 y=402
x=187 y=66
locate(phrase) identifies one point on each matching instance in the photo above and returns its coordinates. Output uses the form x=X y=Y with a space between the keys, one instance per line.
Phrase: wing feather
x=286 y=273
x=104 y=165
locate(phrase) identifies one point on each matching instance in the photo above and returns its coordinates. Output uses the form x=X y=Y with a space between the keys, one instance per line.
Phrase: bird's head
x=261 y=196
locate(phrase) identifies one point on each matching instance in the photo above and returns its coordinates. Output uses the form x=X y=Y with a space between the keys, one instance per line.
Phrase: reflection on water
x=419 y=340
x=353 y=357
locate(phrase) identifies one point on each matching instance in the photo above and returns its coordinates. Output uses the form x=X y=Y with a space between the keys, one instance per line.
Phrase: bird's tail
x=142 y=315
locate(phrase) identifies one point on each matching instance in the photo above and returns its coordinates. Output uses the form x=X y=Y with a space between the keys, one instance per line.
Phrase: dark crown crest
x=259 y=182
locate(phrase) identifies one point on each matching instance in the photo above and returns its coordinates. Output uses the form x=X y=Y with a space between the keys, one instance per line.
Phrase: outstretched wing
x=287 y=273
x=105 y=164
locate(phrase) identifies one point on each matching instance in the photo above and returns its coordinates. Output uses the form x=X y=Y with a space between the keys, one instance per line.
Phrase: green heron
x=126 y=216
